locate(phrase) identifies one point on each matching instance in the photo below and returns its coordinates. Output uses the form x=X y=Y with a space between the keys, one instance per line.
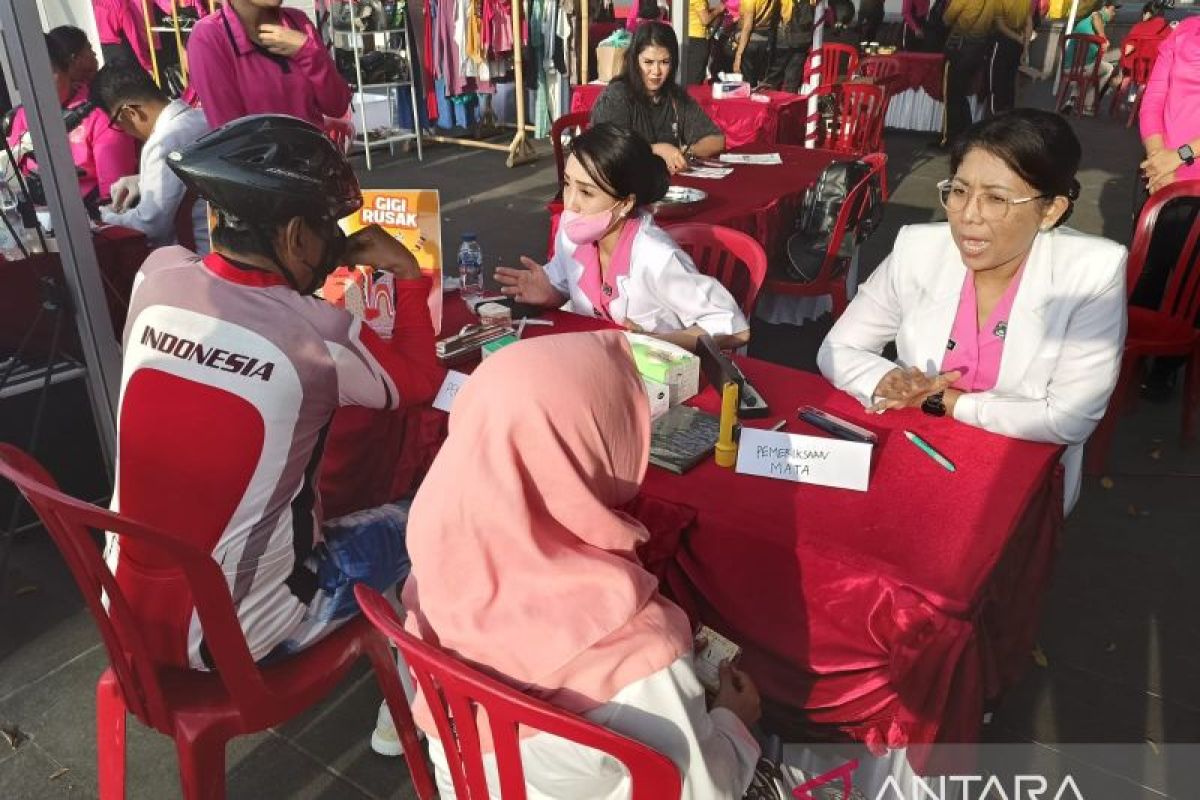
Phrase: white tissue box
x=660 y=398
x=665 y=363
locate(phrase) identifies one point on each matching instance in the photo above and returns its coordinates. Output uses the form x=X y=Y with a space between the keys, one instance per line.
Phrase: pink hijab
x=521 y=565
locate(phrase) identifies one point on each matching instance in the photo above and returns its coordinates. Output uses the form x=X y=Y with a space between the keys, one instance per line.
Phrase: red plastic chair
x=857 y=125
x=1168 y=330
x=831 y=280
x=574 y=120
x=838 y=61
x=201 y=711
x=185 y=227
x=735 y=259
x=1079 y=74
x=1138 y=54
x=458 y=691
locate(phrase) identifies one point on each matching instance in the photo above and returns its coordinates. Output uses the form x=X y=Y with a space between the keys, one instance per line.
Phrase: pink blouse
x=101 y=153
x=1171 y=103
x=589 y=257
x=976 y=351
x=234 y=77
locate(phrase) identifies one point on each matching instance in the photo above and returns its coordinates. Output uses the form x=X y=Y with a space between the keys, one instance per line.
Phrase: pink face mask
x=584 y=229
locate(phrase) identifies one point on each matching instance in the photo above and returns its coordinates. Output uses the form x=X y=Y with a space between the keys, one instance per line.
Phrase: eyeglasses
x=114 y=122
x=992 y=207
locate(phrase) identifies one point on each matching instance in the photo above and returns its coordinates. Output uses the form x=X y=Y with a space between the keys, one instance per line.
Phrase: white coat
x=662 y=292
x=1062 y=352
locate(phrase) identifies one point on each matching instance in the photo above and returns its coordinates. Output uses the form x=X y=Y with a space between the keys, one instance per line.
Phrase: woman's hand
x=372 y=246
x=738 y=693
x=530 y=285
x=676 y=160
x=1160 y=166
x=281 y=40
x=908 y=388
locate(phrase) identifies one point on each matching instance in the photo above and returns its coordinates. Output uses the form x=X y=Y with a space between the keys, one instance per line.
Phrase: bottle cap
x=468 y=237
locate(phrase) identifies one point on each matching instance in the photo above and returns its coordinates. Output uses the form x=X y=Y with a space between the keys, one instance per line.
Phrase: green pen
x=928 y=450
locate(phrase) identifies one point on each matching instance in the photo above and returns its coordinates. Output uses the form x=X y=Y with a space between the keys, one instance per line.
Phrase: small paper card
x=708 y=172
x=708 y=661
x=805 y=459
x=450 y=387
x=751 y=158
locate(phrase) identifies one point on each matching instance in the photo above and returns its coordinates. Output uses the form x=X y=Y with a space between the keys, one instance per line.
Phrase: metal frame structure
x=24 y=43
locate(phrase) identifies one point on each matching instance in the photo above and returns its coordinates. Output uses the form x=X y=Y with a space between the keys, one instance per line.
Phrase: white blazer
x=1061 y=355
x=663 y=292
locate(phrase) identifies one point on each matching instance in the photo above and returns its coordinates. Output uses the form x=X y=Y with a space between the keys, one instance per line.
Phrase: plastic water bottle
x=470 y=266
x=9 y=248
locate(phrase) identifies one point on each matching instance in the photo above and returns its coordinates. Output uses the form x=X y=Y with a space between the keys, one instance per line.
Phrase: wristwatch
x=1187 y=155
x=934 y=405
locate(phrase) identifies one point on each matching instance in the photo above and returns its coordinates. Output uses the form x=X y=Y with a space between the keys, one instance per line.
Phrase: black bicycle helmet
x=268 y=168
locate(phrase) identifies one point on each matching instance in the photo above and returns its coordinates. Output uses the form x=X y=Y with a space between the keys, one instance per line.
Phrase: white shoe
x=384 y=739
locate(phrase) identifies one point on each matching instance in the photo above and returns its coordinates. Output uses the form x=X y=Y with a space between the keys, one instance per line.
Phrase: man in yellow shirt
x=1014 y=25
x=759 y=20
x=968 y=48
x=700 y=16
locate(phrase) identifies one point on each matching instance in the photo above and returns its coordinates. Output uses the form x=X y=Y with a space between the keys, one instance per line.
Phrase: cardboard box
x=666 y=363
x=377 y=114
x=660 y=398
x=610 y=62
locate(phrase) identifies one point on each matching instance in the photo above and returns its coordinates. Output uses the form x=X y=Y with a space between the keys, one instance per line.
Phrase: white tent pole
x=679 y=10
x=814 y=112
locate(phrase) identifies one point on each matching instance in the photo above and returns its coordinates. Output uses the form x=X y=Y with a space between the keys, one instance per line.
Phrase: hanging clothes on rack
x=550 y=23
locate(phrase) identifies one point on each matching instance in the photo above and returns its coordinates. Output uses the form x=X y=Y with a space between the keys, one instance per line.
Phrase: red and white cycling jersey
x=229 y=382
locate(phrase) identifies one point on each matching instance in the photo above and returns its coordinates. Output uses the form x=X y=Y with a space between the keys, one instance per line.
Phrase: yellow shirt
x=971 y=18
x=1015 y=13
x=761 y=12
x=696 y=27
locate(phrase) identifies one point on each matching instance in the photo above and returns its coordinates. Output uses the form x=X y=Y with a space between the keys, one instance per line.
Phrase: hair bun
x=1073 y=190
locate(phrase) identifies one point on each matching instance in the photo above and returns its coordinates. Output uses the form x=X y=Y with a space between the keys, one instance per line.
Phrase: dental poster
x=414 y=217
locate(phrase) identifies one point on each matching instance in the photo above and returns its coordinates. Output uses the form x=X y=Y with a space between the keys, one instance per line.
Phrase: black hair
x=648 y=9
x=652 y=34
x=1039 y=146
x=60 y=60
x=1155 y=8
x=124 y=82
x=621 y=163
x=72 y=40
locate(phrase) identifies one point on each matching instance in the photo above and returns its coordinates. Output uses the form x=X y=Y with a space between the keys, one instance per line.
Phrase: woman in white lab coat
x=548 y=593
x=610 y=258
x=1001 y=319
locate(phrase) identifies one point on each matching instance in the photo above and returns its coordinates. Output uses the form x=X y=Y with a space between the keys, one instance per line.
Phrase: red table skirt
x=919 y=71
x=119 y=252
x=743 y=121
x=887 y=616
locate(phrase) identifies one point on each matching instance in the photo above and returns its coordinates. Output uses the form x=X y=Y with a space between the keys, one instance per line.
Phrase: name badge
x=805 y=459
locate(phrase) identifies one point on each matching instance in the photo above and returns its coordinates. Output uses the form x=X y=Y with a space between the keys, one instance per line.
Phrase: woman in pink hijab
x=522 y=567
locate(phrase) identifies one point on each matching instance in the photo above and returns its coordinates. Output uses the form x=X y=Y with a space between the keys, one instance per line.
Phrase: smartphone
x=836 y=426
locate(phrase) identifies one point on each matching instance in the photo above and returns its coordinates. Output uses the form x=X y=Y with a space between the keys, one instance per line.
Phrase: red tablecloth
x=119 y=252
x=760 y=200
x=743 y=121
x=888 y=616
x=919 y=71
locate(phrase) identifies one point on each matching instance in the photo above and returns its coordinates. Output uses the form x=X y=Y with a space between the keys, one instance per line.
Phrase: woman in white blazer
x=1035 y=312
x=612 y=261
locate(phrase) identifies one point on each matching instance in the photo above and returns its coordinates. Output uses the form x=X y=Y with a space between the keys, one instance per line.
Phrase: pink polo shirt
x=973 y=350
x=590 y=282
x=1169 y=105
x=121 y=20
x=101 y=153
x=234 y=77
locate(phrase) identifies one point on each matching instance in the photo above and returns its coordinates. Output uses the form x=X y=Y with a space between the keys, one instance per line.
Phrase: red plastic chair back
x=858 y=122
x=838 y=61
x=735 y=259
x=1181 y=300
x=200 y=710
x=455 y=691
x=1139 y=47
x=831 y=279
x=879 y=67
x=185 y=227
x=575 y=120
x=1078 y=73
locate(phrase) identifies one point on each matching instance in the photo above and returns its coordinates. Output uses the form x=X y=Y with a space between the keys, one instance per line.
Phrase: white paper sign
x=445 y=396
x=804 y=459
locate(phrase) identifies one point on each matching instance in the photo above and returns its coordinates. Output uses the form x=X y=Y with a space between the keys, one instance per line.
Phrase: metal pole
x=24 y=42
x=813 y=111
x=679 y=10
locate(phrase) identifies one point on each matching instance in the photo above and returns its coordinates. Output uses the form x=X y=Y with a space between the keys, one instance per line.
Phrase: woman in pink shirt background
x=1170 y=128
x=912 y=35
x=255 y=57
x=101 y=154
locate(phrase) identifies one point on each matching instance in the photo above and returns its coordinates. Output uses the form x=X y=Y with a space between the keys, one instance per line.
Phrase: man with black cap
x=231 y=374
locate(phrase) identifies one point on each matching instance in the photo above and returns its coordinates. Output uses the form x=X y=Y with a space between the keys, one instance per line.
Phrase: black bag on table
x=815 y=224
